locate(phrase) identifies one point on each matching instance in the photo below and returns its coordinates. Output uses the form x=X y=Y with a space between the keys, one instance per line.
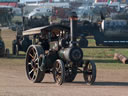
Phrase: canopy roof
x=49 y=28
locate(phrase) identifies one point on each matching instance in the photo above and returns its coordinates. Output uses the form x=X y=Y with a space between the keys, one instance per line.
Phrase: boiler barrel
x=74 y=54
x=115 y=28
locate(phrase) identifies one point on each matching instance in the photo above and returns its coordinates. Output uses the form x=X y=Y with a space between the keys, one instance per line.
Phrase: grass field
x=102 y=56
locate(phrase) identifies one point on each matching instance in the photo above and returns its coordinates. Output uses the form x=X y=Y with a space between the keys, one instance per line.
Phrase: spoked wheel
x=7 y=52
x=2 y=51
x=17 y=50
x=83 y=43
x=70 y=74
x=14 y=47
x=59 y=72
x=89 y=72
x=33 y=63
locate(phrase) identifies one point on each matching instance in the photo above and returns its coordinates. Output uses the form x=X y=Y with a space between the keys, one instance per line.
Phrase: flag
x=95 y=1
x=109 y=1
x=50 y=1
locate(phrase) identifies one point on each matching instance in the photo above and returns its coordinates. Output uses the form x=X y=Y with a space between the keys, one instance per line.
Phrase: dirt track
x=13 y=82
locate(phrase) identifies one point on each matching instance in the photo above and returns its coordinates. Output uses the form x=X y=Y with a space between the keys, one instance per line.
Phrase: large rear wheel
x=33 y=63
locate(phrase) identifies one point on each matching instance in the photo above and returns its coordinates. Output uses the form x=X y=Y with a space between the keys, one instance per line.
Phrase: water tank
x=115 y=28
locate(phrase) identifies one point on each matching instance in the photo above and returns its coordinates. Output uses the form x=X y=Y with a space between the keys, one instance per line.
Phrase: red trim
x=13 y=4
x=9 y=4
x=5 y=4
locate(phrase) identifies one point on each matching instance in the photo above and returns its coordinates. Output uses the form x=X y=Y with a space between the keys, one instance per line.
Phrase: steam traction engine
x=113 y=33
x=55 y=49
x=2 y=46
x=3 y=51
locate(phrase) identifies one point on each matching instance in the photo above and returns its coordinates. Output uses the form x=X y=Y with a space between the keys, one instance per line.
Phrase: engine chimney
x=73 y=28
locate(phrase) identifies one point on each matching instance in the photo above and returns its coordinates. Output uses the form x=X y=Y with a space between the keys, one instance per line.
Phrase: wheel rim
x=32 y=64
x=90 y=72
x=17 y=51
x=59 y=72
x=83 y=43
x=7 y=52
x=14 y=47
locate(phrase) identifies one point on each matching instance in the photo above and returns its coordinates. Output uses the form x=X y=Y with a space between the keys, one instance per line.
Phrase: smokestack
x=73 y=27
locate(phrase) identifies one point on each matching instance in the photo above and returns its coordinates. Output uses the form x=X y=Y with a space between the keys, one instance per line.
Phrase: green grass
x=12 y=61
x=103 y=57
x=17 y=18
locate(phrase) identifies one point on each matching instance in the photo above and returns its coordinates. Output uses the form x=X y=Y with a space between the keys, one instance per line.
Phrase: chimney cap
x=73 y=14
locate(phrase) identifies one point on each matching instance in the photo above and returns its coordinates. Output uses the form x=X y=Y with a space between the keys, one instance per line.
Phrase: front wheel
x=89 y=72
x=59 y=72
